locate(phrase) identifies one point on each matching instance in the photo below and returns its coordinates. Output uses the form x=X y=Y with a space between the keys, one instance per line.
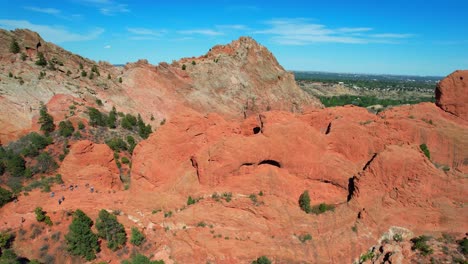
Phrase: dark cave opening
x=271 y=162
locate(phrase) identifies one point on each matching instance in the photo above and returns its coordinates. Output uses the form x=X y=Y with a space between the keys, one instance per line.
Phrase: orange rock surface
x=245 y=142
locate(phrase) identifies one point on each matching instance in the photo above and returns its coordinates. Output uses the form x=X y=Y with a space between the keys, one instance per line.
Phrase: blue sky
x=395 y=37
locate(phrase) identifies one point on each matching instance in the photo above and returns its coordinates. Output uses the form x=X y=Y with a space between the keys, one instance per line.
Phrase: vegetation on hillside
x=111 y=230
x=81 y=241
x=365 y=101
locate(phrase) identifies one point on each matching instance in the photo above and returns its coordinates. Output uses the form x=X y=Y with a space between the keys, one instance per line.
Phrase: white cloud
x=146 y=31
x=205 y=32
x=107 y=7
x=354 y=30
x=300 y=31
x=56 y=34
x=233 y=27
x=392 y=35
x=50 y=11
x=107 y=46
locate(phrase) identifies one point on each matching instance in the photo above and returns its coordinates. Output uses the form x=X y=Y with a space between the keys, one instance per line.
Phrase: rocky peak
x=452 y=94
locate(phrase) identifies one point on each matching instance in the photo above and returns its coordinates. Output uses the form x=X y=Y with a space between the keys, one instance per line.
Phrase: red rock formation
x=91 y=163
x=452 y=94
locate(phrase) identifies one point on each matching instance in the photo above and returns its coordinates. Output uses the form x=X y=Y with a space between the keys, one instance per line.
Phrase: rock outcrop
x=452 y=94
x=220 y=181
x=235 y=81
x=93 y=164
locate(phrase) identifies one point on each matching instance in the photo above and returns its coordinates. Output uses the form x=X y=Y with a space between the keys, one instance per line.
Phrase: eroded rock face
x=452 y=94
x=369 y=166
x=91 y=163
x=235 y=80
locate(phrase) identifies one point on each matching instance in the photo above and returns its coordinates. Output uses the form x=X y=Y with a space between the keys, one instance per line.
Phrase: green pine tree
x=46 y=120
x=81 y=241
x=14 y=46
x=111 y=230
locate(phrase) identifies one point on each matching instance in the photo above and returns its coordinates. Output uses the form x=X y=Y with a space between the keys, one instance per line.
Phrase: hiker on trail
x=23 y=220
x=76 y=186
x=91 y=189
x=71 y=187
x=52 y=194
x=60 y=201
x=63 y=198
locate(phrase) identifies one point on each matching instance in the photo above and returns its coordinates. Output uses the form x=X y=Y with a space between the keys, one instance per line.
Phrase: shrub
x=42 y=217
x=77 y=135
x=66 y=128
x=112 y=118
x=96 y=118
x=109 y=76
x=253 y=198
x=5 y=240
x=10 y=74
x=365 y=257
x=83 y=73
x=420 y=243
x=81 y=241
x=91 y=75
x=46 y=120
x=41 y=75
x=14 y=164
x=137 y=237
x=397 y=238
x=125 y=160
x=227 y=196
x=184 y=67
x=322 y=208
x=304 y=238
x=117 y=144
x=45 y=163
x=120 y=79
x=129 y=121
x=141 y=259
x=81 y=66
x=194 y=63
x=95 y=70
x=5 y=196
x=304 y=202
x=463 y=244
x=201 y=224
x=23 y=56
x=14 y=46
x=9 y=256
x=131 y=143
x=69 y=73
x=41 y=61
x=81 y=126
x=190 y=200
x=262 y=260
x=30 y=145
x=425 y=150
x=110 y=229
x=143 y=130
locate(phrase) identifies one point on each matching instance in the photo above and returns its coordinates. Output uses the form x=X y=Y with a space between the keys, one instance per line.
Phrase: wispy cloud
x=300 y=31
x=107 y=46
x=392 y=35
x=232 y=27
x=50 y=11
x=55 y=34
x=146 y=32
x=107 y=7
x=205 y=32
